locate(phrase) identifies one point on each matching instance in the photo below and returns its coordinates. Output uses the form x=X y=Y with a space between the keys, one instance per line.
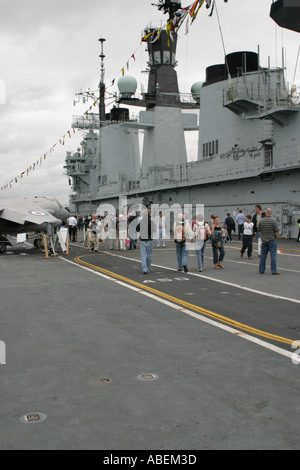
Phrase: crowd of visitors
x=123 y=232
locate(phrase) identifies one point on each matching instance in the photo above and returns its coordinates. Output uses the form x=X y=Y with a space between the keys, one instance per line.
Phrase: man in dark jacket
x=259 y=214
x=145 y=228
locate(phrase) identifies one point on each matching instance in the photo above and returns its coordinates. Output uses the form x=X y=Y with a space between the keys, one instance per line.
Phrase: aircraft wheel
x=37 y=242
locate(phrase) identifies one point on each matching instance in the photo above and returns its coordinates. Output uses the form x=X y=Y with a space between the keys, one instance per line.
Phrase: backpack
x=201 y=234
x=230 y=223
x=179 y=236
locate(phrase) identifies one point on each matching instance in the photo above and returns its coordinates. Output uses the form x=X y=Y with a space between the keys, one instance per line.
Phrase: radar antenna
x=168 y=6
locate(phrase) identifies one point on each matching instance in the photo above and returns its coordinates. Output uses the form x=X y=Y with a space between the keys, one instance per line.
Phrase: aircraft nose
x=65 y=213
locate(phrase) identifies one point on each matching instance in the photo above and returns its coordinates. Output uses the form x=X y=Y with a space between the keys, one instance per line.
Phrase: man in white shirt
x=72 y=223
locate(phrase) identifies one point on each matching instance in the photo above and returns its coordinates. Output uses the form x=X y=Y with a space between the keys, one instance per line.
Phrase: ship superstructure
x=248 y=138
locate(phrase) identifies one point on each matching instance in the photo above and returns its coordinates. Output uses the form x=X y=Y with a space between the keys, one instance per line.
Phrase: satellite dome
x=127 y=86
x=195 y=90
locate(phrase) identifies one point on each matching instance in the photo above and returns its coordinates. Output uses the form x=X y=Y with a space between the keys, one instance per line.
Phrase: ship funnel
x=127 y=86
x=242 y=62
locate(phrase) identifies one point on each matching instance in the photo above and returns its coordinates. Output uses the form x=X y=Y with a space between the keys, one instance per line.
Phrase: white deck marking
x=228 y=329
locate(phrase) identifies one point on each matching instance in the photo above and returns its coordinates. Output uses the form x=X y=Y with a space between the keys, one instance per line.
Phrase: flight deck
x=100 y=356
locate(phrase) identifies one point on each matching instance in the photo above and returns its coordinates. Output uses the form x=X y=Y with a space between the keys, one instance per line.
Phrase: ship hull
x=277 y=190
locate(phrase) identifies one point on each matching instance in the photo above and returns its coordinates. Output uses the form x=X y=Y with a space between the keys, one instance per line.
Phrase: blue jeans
x=265 y=248
x=182 y=255
x=160 y=236
x=200 y=256
x=218 y=253
x=146 y=254
x=132 y=243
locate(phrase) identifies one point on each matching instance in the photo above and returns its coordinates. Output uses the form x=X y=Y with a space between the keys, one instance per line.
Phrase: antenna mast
x=102 y=85
x=168 y=6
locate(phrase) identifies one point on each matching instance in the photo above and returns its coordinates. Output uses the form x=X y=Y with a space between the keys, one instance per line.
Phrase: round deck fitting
x=147 y=377
x=35 y=417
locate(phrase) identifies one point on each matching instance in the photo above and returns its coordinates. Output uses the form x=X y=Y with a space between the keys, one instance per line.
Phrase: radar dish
x=195 y=90
x=127 y=86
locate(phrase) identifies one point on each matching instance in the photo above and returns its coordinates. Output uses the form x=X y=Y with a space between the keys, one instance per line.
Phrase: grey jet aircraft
x=26 y=215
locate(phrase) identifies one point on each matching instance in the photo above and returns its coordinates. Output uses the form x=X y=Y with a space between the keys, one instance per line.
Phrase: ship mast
x=162 y=84
x=102 y=85
x=163 y=89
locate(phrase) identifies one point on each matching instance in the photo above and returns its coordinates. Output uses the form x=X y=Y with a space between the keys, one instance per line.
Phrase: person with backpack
x=182 y=234
x=202 y=233
x=229 y=225
x=217 y=244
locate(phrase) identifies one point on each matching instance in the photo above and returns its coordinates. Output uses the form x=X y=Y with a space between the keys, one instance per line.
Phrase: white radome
x=127 y=86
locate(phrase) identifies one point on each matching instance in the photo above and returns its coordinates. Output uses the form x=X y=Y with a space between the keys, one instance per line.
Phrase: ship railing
x=121 y=186
x=92 y=122
x=250 y=162
x=245 y=163
x=260 y=95
x=185 y=100
x=86 y=121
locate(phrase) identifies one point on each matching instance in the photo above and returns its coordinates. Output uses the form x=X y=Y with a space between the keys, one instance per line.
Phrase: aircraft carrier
x=94 y=355
x=248 y=139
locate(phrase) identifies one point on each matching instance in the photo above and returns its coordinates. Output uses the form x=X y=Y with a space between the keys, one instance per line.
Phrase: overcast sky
x=49 y=51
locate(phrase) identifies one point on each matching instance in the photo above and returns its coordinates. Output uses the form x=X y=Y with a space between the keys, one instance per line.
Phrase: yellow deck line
x=188 y=305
